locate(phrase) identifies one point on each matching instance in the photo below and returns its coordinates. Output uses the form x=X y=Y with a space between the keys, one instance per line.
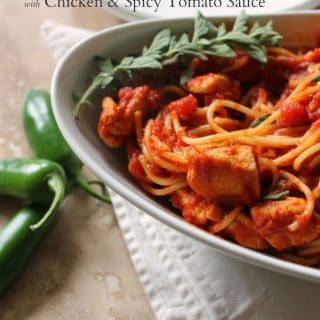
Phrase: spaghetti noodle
x=236 y=149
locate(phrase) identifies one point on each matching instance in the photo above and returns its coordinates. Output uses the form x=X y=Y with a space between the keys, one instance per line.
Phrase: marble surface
x=82 y=271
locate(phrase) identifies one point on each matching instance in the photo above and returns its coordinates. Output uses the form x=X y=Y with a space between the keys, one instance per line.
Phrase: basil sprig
x=166 y=48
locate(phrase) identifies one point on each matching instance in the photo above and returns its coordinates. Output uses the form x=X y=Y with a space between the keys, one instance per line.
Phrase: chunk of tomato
x=293 y=114
x=184 y=107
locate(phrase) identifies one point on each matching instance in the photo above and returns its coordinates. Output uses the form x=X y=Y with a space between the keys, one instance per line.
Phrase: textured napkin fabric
x=185 y=279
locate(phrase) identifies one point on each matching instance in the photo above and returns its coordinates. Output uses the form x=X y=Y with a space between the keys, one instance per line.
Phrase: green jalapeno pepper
x=47 y=141
x=35 y=180
x=17 y=242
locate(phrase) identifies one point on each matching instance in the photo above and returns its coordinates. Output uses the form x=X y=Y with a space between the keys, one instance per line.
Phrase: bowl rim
x=226 y=247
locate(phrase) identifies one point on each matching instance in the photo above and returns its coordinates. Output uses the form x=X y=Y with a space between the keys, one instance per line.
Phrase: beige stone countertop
x=82 y=270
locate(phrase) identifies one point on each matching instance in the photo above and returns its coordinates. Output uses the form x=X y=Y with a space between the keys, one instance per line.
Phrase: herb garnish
x=316 y=79
x=255 y=123
x=166 y=49
x=276 y=196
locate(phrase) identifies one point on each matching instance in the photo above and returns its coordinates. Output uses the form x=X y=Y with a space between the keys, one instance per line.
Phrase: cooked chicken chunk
x=116 y=121
x=272 y=218
x=214 y=86
x=242 y=231
x=227 y=175
x=209 y=84
x=194 y=208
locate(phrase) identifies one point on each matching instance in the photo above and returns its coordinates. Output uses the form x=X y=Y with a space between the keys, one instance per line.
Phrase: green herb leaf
x=222 y=30
x=239 y=38
x=276 y=196
x=125 y=62
x=200 y=27
x=103 y=79
x=213 y=31
x=265 y=35
x=183 y=40
x=159 y=43
x=204 y=42
x=259 y=120
x=256 y=52
x=185 y=76
x=145 y=62
x=221 y=50
x=240 y=23
x=167 y=49
x=104 y=64
x=316 y=79
x=194 y=53
x=254 y=27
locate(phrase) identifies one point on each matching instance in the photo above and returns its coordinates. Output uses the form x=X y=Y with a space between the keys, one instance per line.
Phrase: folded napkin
x=185 y=279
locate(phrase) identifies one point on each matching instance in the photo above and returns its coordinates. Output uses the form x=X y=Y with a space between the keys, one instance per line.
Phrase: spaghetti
x=236 y=150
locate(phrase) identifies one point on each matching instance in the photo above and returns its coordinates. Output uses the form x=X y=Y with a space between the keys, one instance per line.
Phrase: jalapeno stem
x=56 y=185
x=85 y=185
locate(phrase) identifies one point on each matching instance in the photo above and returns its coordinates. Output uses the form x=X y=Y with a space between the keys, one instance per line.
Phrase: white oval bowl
x=111 y=166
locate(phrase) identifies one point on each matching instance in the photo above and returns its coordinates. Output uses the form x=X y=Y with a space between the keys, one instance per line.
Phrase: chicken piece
x=116 y=121
x=272 y=218
x=242 y=67
x=194 y=208
x=242 y=231
x=108 y=120
x=214 y=86
x=227 y=175
x=313 y=109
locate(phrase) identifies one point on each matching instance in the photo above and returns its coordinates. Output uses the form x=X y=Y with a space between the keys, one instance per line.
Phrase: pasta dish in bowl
x=245 y=165
x=230 y=143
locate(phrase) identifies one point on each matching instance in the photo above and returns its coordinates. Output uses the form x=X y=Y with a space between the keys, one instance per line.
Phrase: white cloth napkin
x=185 y=279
